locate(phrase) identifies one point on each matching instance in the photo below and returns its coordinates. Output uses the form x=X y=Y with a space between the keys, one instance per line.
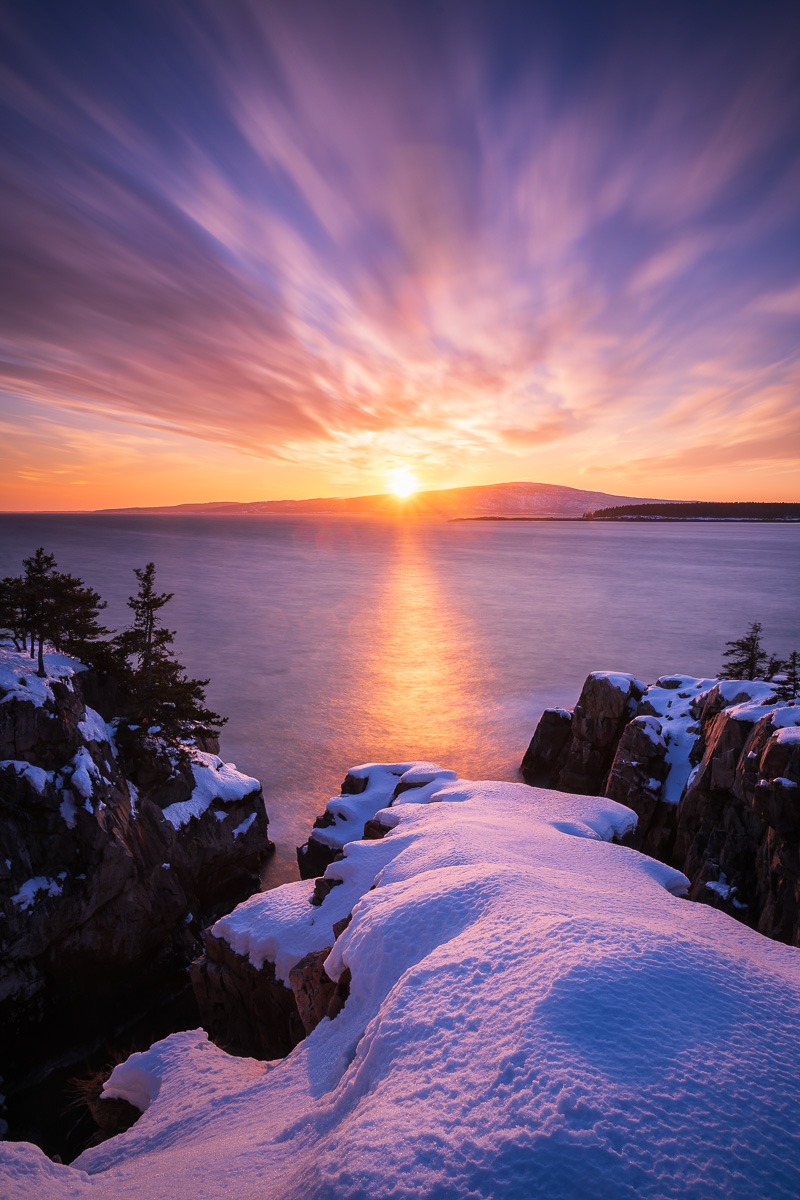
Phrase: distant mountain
x=488 y=500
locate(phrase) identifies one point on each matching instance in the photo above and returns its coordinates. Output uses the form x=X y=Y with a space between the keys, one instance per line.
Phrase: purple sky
x=256 y=250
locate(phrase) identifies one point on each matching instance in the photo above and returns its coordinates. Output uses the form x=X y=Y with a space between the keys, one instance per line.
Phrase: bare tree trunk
x=41 y=671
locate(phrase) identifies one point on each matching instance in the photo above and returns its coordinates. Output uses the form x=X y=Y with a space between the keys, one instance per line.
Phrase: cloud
x=361 y=236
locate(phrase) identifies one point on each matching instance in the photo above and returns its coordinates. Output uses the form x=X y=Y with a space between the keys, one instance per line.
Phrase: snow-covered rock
x=698 y=761
x=533 y=1012
x=366 y=790
x=101 y=859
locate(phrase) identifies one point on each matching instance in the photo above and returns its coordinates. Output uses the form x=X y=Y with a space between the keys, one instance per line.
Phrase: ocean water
x=335 y=642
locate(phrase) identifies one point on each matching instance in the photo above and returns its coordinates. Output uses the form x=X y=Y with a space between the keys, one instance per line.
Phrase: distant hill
x=488 y=500
x=702 y=510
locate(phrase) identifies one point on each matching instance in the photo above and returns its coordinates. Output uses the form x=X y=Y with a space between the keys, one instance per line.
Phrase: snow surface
x=787 y=721
x=19 y=681
x=676 y=727
x=85 y=774
x=352 y=812
x=36 y=776
x=532 y=1014
x=26 y=896
x=95 y=729
x=743 y=699
x=619 y=680
x=245 y=825
x=215 y=781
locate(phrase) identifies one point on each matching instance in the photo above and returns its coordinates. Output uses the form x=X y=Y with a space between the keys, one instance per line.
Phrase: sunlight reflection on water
x=330 y=643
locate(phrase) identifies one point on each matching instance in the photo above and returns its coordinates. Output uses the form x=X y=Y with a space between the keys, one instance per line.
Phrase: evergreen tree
x=749 y=659
x=38 y=593
x=46 y=605
x=166 y=700
x=13 y=611
x=73 y=625
x=788 y=688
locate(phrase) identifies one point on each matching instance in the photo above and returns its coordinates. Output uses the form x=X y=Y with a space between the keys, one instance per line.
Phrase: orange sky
x=283 y=257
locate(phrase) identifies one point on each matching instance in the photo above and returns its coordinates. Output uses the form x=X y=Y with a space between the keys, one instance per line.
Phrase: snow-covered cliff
x=533 y=1011
x=108 y=867
x=712 y=769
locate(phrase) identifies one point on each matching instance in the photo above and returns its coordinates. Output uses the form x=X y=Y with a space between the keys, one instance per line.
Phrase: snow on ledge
x=620 y=680
x=36 y=776
x=351 y=812
x=215 y=782
x=531 y=1014
x=19 y=680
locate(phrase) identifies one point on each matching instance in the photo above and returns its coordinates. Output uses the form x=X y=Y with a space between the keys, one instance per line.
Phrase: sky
x=258 y=250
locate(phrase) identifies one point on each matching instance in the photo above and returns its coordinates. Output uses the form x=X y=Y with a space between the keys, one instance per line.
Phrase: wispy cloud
x=369 y=234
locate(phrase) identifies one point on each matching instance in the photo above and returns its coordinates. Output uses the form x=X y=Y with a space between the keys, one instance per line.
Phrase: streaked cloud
x=463 y=237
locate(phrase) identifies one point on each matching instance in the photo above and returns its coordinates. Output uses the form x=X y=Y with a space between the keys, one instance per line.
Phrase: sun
x=403 y=483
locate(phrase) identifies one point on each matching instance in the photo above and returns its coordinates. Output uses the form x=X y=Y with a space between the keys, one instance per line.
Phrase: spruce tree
x=47 y=605
x=13 y=611
x=38 y=598
x=788 y=688
x=748 y=657
x=165 y=700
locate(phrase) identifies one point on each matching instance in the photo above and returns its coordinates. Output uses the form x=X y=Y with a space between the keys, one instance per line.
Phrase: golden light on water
x=403 y=483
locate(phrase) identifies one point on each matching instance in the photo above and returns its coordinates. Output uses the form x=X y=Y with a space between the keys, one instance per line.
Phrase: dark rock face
x=732 y=825
x=548 y=746
x=244 y=1009
x=574 y=752
x=103 y=889
x=314 y=858
x=316 y=994
x=635 y=780
x=247 y=1010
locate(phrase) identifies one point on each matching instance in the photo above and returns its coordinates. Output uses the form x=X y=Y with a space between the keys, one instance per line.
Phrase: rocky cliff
x=261 y=983
x=711 y=767
x=110 y=864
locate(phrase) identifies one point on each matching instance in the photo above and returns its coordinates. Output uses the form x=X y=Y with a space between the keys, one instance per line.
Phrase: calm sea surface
x=330 y=643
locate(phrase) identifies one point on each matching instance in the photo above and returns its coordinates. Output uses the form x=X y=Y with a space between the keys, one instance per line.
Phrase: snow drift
x=533 y=1012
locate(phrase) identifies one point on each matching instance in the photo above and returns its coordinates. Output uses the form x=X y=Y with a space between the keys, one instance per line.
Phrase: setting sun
x=403 y=483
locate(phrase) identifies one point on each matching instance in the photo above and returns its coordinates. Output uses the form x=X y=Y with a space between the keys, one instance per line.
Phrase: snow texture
x=85 y=774
x=620 y=680
x=676 y=698
x=245 y=825
x=68 y=809
x=133 y=1081
x=352 y=812
x=215 y=781
x=19 y=680
x=95 y=729
x=26 y=896
x=36 y=777
x=532 y=1014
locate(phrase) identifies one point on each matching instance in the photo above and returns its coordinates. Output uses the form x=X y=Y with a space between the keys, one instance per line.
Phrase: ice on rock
x=533 y=1013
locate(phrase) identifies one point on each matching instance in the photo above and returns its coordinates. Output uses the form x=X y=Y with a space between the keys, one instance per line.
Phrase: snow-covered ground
x=19 y=679
x=534 y=1012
